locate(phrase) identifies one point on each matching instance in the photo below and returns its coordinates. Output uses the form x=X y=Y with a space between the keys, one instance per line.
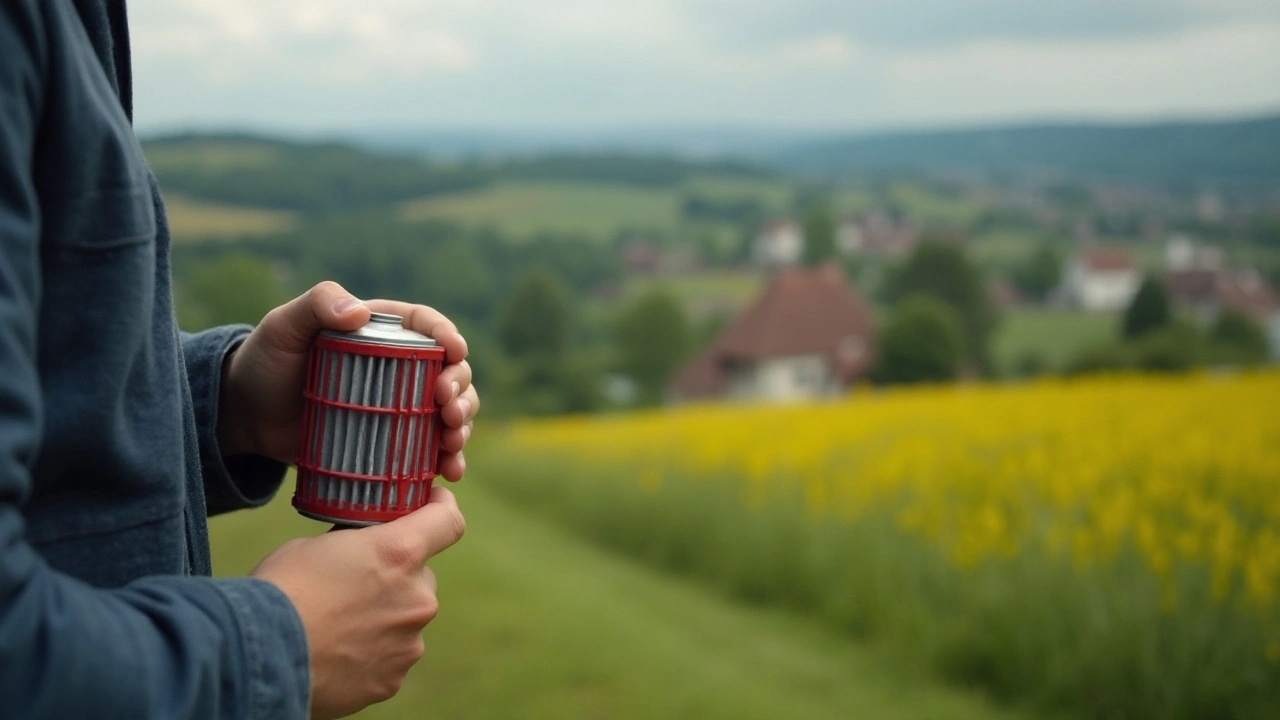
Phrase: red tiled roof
x=1192 y=286
x=801 y=312
x=1246 y=292
x=1107 y=259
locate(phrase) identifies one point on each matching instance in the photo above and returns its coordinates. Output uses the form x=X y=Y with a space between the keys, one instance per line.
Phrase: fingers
x=328 y=305
x=453 y=381
x=429 y=579
x=452 y=466
x=423 y=533
x=429 y=322
x=453 y=440
x=462 y=410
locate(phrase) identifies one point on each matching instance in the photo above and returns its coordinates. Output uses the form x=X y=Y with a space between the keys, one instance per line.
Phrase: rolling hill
x=1247 y=150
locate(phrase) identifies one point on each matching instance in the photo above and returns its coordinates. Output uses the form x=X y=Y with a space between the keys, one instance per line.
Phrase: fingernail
x=465 y=405
x=345 y=305
x=466 y=433
x=455 y=387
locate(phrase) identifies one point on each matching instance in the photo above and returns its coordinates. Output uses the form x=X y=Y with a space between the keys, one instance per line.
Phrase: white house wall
x=1101 y=291
x=783 y=379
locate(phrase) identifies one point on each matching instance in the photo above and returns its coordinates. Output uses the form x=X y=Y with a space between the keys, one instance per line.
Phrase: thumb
x=425 y=532
x=327 y=306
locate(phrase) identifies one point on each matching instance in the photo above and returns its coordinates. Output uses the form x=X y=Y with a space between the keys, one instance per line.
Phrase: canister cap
x=384 y=329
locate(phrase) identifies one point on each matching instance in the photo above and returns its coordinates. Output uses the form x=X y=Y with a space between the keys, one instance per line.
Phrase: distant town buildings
x=876 y=235
x=1101 y=279
x=808 y=335
x=642 y=258
x=1205 y=293
x=780 y=243
x=1182 y=253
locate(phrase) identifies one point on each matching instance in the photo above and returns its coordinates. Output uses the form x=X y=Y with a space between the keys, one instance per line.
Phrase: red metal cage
x=371 y=430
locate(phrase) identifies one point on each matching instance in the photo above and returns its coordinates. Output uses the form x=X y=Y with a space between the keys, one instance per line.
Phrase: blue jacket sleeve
x=163 y=647
x=238 y=481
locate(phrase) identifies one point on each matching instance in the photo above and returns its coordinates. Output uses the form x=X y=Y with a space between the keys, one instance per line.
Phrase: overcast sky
x=566 y=64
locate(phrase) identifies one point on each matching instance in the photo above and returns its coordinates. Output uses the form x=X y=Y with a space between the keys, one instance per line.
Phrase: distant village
x=812 y=333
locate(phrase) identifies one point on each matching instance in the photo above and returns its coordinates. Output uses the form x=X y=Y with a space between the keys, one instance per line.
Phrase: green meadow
x=536 y=623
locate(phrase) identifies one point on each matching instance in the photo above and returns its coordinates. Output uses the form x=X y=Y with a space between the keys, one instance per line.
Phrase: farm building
x=1101 y=279
x=808 y=335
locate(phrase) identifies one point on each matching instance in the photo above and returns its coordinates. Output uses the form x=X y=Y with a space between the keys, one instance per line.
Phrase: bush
x=1109 y=356
x=1176 y=348
x=1236 y=339
x=922 y=342
x=1031 y=364
x=942 y=270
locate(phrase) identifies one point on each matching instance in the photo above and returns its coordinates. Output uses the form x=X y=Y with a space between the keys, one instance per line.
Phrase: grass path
x=536 y=623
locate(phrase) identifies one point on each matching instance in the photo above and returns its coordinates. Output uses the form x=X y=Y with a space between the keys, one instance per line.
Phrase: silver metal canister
x=371 y=428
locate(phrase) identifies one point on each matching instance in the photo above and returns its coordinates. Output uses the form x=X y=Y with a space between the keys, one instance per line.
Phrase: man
x=118 y=435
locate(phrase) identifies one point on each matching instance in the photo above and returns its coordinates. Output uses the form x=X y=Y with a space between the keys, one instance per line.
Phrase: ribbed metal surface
x=359 y=441
x=368 y=448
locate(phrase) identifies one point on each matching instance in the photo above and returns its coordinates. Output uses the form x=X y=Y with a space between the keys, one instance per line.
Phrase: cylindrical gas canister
x=371 y=426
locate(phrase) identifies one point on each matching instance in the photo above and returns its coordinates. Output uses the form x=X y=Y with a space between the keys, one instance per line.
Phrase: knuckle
x=429 y=607
x=396 y=551
x=418 y=649
x=424 y=614
x=457 y=523
x=325 y=287
x=389 y=686
x=275 y=316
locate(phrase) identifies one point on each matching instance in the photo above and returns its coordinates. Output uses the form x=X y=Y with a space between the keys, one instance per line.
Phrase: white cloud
x=573 y=63
x=1213 y=70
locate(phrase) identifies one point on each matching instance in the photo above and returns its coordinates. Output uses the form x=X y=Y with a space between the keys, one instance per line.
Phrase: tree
x=1040 y=273
x=1237 y=338
x=234 y=288
x=652 y=337
x=1148 y=311
x=819 y=235
x=535 y=323
x=921 y=343
x=941 y=270
x=456 y=280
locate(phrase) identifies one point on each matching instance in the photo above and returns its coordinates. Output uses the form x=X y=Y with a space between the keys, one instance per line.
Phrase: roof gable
x=802 y=311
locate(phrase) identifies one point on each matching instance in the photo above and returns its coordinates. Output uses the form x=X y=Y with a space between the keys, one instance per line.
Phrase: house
x=779 y=244
x=876 y=235
x=808 y=335
x=1101 y=279
x=641 y=258
x=1205 y=293
x=1183 y=253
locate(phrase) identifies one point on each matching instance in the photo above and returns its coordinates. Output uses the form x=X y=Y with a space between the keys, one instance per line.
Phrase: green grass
x=193 y=220
x=774 y=195
x=536 y=623
x=1032 y=628
x=704 y=293
x=934 y=208
x=1057 y=336
x=524 y=209
x=1002 y=250
x=209 y=155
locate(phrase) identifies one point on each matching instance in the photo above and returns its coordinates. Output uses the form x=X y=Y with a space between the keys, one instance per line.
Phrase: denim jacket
x=108 y=457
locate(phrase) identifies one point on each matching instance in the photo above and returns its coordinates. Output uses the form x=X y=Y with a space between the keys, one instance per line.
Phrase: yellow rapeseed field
x=1185 y=470
x=1177 y=478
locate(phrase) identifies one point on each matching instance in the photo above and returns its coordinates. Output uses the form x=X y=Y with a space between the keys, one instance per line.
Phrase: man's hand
x=261 y=405
x=364 y=597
